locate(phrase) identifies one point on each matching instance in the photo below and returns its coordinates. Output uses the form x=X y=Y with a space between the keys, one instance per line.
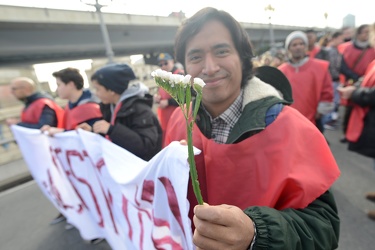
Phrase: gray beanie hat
x=294 y=35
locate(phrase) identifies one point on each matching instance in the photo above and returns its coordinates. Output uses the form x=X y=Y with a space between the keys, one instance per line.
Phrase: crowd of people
x=261 y=190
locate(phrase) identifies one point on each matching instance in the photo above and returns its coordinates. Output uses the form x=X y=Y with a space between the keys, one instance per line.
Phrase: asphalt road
x=25 y=213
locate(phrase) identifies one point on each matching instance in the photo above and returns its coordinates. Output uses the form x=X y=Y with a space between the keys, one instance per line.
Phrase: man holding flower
x=263 y=186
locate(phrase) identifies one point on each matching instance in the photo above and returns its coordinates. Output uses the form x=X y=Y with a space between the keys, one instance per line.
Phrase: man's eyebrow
x=221 y=45
x=193 y=51
x=216 y=46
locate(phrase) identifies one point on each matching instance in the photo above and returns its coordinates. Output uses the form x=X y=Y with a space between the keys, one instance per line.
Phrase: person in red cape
x=313 y=47
x=264 y=170
x=357 y=55
x=82 y=107
x=40 y=109
x=166 y=104
x=128 y=119
x=361 y=125
x=310 y=79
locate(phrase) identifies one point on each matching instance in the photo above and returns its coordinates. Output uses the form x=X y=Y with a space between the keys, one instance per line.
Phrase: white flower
x=157 y=73
x=199 y=81
x=179 y=79
x=186 y=80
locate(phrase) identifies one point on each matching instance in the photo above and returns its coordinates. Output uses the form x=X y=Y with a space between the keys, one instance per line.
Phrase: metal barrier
x=8 y=148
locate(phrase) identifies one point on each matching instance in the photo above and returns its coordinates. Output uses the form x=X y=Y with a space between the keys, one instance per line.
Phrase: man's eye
x=194 y=58
x=222 y=52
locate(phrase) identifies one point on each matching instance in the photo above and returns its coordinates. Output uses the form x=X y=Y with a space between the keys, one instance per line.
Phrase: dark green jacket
x=314 y=227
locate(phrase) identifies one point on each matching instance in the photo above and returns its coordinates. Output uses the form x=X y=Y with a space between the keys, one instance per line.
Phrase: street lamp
x=271 y=9
x=326 y=19
x=103 y=27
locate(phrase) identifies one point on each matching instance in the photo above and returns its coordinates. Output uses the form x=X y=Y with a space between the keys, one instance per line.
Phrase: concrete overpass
x=35 y=35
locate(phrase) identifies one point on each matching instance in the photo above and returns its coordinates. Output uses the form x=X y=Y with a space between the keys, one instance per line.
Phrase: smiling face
x=211 y=55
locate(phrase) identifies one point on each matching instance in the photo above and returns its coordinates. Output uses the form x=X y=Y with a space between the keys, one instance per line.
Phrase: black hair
x=241 y=39
x=70 y=75
x=337 y=34
x=310 y=31
x=360 y=28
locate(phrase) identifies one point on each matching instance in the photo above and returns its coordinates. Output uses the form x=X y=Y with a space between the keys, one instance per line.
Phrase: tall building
x=348 y=21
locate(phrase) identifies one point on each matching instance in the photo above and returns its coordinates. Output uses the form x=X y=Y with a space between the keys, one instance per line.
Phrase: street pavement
x=25 y=213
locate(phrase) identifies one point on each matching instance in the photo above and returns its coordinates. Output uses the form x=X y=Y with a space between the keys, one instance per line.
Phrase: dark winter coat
x=136 y=127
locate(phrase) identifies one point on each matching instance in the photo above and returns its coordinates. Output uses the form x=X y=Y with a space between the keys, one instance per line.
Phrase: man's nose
x=210 y=65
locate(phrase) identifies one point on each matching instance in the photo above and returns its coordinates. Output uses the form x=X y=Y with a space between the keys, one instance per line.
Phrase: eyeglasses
x=163 y=64
x=16 y=88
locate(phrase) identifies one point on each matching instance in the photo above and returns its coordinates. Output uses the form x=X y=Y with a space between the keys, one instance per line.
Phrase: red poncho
x=357 y=62
x=288 y=165
x=164 y=113
x=32 y=113
x=311 y=83
x=80 y=114
x=356 y=121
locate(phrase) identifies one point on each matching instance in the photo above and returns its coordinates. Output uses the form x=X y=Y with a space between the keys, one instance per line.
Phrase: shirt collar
x=233 y=113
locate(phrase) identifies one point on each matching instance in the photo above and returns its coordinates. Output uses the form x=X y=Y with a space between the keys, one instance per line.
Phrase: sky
x=304 y=13
x=307 y=13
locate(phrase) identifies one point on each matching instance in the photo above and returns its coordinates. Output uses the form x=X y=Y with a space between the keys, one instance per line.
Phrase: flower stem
x=193 y=169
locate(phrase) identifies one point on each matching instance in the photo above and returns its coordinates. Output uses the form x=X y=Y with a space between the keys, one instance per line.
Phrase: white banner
x=107 y=192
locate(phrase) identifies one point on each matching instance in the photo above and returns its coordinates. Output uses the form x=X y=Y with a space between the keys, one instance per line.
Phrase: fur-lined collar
x=256 y=89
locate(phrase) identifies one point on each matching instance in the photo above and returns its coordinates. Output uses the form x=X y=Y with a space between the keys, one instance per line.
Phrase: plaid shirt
x=223 y=124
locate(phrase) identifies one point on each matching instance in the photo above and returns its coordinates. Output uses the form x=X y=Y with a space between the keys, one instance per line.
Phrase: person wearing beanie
x=166 y=104
x=310 y=79
x=128 y=119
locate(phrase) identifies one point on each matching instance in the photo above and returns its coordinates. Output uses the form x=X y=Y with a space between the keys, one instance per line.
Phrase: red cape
x=165 y=113
x=356 y=121
x=351 y=55
x=311 y=83
x=80 y=114
x=287 y=169
x=32 y=113
x=312 y=53
x=341 y=47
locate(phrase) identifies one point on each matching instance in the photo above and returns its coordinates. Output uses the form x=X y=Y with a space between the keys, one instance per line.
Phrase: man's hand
x=51 y=131
x=101 y=127
x=84 y=126
x=346 y=92
x=163 y=103
x=156 y=98
x=12 y=121
x=222 y=227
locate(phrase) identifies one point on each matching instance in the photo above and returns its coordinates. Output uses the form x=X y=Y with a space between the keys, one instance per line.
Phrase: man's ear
x=71 y=83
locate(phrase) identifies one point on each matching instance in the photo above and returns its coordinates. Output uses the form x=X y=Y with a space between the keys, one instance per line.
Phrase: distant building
x=348 y=21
